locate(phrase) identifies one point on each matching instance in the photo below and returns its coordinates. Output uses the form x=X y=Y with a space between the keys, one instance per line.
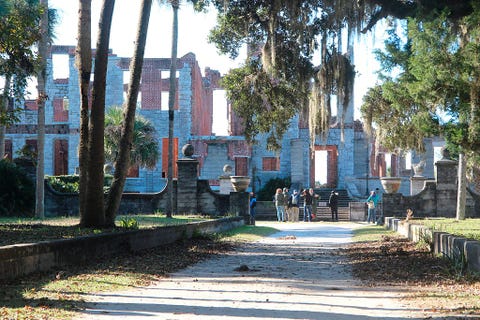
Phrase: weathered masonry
x=351 y=161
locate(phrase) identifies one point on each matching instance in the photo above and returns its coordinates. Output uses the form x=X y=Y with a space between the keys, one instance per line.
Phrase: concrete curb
x=446 y=244
x=23 y=259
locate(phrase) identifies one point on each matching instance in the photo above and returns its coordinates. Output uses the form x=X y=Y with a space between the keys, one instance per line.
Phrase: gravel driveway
x=293 y=274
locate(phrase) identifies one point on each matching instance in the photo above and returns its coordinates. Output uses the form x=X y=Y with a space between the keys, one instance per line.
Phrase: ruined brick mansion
x=350 y=162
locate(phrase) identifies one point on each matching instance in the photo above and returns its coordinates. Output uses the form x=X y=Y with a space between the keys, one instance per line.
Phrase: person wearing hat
x=333 y=204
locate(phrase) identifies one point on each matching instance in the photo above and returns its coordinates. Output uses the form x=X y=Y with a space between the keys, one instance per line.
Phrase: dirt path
x=294 y=274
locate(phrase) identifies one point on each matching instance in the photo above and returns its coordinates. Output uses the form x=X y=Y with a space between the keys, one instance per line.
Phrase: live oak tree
x=437 y=89
x=284 y=35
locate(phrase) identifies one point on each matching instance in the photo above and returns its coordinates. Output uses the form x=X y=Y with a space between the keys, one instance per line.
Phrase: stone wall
x=23 y=259
x=208 y=202
x=437 y=199
x=448 y=245
x=191 y=196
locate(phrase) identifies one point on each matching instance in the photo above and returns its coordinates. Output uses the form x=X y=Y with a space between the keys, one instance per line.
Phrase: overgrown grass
x=468 y=228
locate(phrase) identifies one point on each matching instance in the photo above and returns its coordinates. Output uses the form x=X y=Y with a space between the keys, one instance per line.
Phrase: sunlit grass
x=29 y=230
x=248 y=233
x=60 y=296
x=468 y=228
x=145 y=220
x=370 y=233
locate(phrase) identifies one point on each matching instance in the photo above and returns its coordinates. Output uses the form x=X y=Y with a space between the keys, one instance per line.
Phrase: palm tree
x=94 y=211
x=123 y=157
x=42 y=96
x=171 y=103
x=84 y=66
x=144 y=152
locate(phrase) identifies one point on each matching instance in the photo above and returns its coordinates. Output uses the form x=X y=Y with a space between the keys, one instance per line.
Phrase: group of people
x=288 y=205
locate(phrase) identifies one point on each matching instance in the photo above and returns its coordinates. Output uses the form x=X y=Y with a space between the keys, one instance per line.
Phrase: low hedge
x=70 y=183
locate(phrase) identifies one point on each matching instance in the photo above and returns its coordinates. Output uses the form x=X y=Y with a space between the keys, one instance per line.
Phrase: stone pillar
x=417 y=184
x=297 y=168
x=240 y=205
x=187 y=200
x=446 y=193
x=225 y=183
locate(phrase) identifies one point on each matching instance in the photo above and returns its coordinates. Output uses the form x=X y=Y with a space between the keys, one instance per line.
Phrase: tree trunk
x=123 y=158
x=84 y=66
x=94 y=207
x=3 y=109
x=462 y=187
x=171 y=104
x=42 y=96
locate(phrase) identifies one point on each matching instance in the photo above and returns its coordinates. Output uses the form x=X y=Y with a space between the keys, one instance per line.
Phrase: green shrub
x=129 y=223
x=268 y=190
x=64 y=184
x=17 y=191
x=70 y=183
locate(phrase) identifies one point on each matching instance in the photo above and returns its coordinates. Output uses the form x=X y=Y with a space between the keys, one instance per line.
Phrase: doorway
x=324 y=171
x=321 y=168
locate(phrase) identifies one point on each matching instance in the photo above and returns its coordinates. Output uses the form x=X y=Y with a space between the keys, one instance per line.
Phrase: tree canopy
x=19 y=32
x=436 y=90
x=280 y=76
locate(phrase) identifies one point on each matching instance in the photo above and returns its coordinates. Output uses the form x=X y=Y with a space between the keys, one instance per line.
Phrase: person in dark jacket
x=333 y=204
x=253 y=203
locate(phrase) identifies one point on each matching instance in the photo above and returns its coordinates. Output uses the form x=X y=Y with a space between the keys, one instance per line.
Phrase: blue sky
x=193 y=31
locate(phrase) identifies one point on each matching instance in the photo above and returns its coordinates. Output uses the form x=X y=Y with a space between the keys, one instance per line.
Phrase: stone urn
x=391 y=184
x=240 y=183
x=418 y=168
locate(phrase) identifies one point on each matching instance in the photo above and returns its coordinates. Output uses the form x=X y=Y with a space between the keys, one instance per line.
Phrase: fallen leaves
x=429 y=280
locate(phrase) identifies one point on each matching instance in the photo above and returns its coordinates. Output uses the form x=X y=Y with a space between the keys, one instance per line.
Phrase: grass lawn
x=144 y=220
x=27 y=230
x=58 y=294
x=370 y=233
x=468 y=228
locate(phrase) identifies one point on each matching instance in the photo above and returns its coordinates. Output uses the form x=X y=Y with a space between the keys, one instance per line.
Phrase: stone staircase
x=266 y=209
x=324 y=194
x=323 y=212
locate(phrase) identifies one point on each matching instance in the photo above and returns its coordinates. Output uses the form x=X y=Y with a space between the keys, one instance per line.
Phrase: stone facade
x=352 y=163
